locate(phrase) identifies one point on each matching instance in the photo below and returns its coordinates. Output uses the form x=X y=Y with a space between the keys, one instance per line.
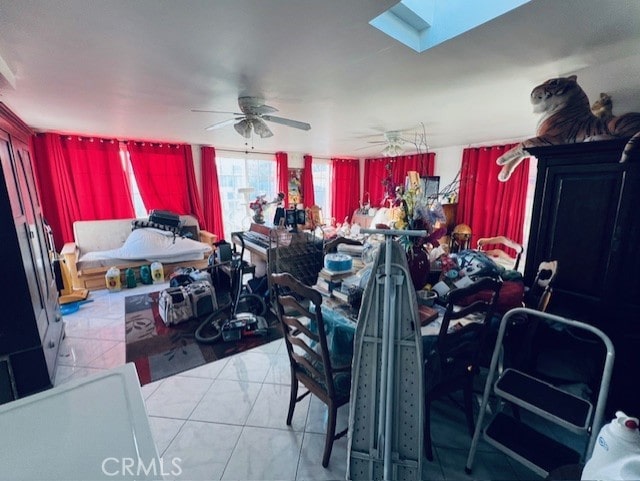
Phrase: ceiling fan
x=393 y=142
x=252 y=116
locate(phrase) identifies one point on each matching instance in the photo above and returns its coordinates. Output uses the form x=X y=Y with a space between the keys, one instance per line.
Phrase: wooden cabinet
x=31 y=324
x=585 y=216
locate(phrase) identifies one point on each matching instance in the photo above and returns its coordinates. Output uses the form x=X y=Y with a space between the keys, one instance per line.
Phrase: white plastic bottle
x=616 y=454
x=112 y=279
x=157 y=272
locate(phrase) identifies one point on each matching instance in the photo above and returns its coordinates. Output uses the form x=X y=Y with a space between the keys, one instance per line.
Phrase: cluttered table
x=340 y=320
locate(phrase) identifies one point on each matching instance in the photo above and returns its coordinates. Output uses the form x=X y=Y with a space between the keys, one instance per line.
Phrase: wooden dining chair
x=498 y=253
x=300 y=313
x=452 y=359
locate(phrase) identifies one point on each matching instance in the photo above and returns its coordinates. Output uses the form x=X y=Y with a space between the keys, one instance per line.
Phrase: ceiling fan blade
x=263 y=109
x=288 y=122
x=217 y=112
x=224 y=123
x=254 y=106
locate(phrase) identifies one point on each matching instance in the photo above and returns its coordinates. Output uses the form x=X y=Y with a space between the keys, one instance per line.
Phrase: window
x=321 y=186
x=234 y=174
x=138 y=204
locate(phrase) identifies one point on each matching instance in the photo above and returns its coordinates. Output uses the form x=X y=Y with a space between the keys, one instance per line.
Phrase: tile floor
x=226 y=420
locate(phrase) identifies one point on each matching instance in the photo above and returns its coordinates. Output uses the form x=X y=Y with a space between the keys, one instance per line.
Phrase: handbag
x=175 y=305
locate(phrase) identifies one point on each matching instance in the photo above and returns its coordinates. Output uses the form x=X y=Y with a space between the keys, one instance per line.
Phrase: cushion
x=475 y=264
x=154 y=245
x=511 y=296
x=140 y=224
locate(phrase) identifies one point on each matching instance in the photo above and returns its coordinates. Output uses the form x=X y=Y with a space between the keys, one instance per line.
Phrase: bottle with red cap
x=616 y=454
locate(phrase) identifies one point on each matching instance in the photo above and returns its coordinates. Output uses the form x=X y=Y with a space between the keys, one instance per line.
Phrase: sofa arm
x=207 y=237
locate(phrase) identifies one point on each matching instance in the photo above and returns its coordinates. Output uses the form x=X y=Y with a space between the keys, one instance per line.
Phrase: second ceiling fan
x=252 y=116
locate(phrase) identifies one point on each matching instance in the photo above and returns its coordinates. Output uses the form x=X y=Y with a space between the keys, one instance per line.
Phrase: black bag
x=165 y=217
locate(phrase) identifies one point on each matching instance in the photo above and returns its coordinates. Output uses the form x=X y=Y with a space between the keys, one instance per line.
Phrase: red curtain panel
x=345 y=187
x=308 y=196
x=166 y=177
x=212 y=205
x=377 y=170
x=81 y=178
x=488 y=206
x=282 y=172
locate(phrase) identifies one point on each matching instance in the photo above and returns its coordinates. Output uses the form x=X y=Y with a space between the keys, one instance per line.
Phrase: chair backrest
x=332 y=245
x=540 y=291
x=472 y=306
x=299 y=309
x=503 y=258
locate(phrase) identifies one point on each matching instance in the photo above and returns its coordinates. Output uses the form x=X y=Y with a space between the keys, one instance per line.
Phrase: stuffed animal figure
x=603 y=107
x=566 y=119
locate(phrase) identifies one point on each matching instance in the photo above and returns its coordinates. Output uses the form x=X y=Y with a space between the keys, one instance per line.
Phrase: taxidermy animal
x=567 y=119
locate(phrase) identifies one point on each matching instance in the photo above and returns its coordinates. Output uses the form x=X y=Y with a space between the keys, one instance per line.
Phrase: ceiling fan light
x=243 y=128
x=392 y=150
x=260 y=128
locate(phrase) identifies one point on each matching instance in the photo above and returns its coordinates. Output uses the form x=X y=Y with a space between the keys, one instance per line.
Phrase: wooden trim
x=13 y=124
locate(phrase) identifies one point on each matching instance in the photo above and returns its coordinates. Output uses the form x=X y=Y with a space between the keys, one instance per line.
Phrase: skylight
x=422 y=24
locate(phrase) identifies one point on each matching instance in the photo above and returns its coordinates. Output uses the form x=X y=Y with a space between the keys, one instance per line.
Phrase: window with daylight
x=321 y=186
x=138 y=204
x=236 y=174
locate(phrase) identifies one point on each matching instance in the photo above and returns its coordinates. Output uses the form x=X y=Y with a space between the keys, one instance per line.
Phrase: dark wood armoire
x=586 y=215
x=30 y=321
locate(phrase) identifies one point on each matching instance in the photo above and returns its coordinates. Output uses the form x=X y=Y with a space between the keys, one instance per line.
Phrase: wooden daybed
x=103 y=235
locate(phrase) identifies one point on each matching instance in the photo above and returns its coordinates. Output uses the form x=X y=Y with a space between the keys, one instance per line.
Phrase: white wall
x=447 y=163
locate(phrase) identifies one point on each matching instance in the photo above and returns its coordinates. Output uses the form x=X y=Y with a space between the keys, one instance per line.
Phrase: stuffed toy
x=567 y=118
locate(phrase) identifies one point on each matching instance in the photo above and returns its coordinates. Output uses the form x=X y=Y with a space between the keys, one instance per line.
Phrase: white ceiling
x=135 y=69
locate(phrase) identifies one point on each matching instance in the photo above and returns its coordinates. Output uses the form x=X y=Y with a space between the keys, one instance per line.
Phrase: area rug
x=159 y=351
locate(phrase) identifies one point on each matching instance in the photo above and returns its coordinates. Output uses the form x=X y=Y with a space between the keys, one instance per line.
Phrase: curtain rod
x=259 y=152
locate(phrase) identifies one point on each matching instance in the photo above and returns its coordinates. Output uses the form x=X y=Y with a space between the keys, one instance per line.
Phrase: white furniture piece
x=101 y=235
x=85 y=429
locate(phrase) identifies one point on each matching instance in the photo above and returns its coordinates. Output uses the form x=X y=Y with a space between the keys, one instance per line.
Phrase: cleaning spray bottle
x=616 y=454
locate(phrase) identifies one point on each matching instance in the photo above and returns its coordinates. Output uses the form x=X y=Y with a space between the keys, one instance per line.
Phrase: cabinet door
x=585 y=215
x=31 y=253
x=579 y=209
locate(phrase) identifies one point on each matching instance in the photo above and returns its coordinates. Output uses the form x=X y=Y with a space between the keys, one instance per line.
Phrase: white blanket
x=153 y=245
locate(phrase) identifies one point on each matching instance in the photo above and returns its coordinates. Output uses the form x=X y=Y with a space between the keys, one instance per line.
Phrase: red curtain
x=282 y=172
x=421 y=163
x=166 y=177
x=488 y=206
x=377 y=170
x=345 y=187
x=308 y=195
x=83 y=179
x=212 y=205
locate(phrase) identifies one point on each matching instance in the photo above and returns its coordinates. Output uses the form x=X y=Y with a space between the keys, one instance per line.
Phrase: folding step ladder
x=524 y=443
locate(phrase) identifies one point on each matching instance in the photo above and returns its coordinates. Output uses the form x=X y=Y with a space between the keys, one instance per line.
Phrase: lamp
x=392 y=150
x=243 y=128
x=260 y=128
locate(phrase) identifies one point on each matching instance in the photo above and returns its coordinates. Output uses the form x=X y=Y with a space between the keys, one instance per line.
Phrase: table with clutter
x=342 y=292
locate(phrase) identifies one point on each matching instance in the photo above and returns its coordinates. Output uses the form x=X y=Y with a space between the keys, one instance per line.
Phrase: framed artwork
x=430 y=186
x=295 y=187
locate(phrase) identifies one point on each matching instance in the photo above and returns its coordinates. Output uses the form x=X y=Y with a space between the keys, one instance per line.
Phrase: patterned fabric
x=140 y=224
x=341 y=380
